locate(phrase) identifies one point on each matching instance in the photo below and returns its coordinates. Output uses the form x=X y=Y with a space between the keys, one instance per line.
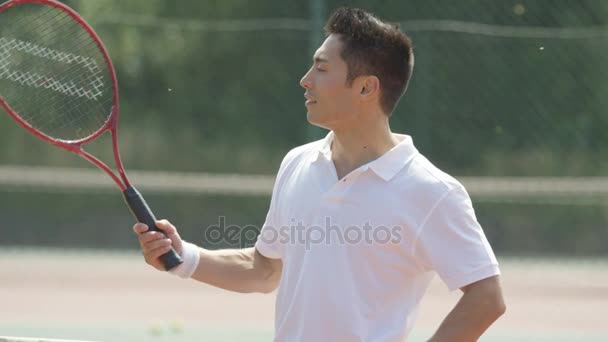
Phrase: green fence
x=501 y=89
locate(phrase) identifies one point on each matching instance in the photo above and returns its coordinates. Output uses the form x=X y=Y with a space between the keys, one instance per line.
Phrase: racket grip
x=142 y=212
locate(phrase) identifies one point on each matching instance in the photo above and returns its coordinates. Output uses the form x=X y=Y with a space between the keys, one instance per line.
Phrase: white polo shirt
x=359 y=253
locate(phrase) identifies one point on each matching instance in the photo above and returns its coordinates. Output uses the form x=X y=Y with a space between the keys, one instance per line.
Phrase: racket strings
x=53 y=73
x=70 y=103
x=43 y=52
x=68 y=107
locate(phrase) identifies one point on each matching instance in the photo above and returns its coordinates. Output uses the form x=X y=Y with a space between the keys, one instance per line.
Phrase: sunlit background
x=510 y=97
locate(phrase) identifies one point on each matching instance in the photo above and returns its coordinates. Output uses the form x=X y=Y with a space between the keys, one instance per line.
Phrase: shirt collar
x=325 y=146
x=387 y=165
x=391 y=162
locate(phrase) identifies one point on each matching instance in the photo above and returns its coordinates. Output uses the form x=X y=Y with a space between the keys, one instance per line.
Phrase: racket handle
x=142 y=212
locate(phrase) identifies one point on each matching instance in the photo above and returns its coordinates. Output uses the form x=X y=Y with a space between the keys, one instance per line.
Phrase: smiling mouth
x=309 y=100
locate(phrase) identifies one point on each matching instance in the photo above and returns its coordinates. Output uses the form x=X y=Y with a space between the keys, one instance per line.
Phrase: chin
x=314 y=119
x=310 y=117
x=320 y=125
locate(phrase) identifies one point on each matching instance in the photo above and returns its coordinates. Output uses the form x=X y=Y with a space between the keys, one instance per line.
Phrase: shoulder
x=428 y=183
x=430 y=175
x=299 y=154
x=293 y=160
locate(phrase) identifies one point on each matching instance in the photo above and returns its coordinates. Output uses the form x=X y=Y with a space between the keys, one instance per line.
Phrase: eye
x=320 y=69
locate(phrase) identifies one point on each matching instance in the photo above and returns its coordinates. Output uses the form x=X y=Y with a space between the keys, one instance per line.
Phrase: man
x=359 y=221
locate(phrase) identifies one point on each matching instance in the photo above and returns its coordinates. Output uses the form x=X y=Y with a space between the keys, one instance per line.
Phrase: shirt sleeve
x=269 y=242
x=452 y=243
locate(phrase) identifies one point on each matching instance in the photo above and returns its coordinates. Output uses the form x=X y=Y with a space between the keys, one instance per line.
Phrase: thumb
x=170 y=232
x=166 y=227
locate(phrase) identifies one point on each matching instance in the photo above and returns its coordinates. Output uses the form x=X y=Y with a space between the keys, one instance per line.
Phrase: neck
x=360 y=145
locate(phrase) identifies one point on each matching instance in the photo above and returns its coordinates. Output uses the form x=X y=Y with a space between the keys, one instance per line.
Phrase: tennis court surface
x=115 y=296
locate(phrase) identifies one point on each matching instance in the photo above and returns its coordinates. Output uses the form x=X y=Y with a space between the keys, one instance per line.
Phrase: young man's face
x=330 y=102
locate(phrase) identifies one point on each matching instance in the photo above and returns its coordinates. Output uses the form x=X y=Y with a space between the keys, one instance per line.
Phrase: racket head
x=56 y=77
x=57 y=81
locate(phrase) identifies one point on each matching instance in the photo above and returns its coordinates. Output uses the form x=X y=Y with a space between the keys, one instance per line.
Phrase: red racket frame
x=135 y=201
x=111 y=124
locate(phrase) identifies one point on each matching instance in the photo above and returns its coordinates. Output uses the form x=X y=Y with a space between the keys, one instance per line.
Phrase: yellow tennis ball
x=155 y=329
x=176 y=327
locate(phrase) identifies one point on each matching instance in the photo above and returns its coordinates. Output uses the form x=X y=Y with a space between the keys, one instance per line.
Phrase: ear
x=370 y=88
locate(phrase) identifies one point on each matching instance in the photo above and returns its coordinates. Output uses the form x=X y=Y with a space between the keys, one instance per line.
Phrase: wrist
x=191 y=256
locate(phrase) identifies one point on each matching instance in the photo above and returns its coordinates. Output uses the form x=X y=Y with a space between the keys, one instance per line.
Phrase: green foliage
x=207 y=91
x=204 y=86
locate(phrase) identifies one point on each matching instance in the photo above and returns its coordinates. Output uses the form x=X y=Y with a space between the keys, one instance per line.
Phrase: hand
x=156 y=243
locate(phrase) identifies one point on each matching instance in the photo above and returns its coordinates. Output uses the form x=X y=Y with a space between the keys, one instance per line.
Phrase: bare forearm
x=238 y=270
x=475 y=312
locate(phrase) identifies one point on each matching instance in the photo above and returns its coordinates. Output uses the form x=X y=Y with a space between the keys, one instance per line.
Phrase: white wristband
x=191 y=256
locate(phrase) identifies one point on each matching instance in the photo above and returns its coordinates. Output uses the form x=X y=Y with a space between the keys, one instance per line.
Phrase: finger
x=147 y=237
x=166 y=227
x=153 y=255
x=171 y=232
x=150 y=246
x=139 y=228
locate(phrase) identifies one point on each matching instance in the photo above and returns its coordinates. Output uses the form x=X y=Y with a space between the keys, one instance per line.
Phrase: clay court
x=102 y=296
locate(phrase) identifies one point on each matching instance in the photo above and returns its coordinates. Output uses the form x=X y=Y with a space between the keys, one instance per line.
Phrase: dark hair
x=374 y=47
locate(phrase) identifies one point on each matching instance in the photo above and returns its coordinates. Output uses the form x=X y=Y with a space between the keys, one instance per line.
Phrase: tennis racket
x=58 y=82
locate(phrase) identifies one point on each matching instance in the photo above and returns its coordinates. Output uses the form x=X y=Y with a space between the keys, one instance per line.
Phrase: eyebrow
x=318 y=59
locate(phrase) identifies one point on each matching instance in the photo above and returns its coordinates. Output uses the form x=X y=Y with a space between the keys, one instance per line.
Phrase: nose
x=305 y=82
